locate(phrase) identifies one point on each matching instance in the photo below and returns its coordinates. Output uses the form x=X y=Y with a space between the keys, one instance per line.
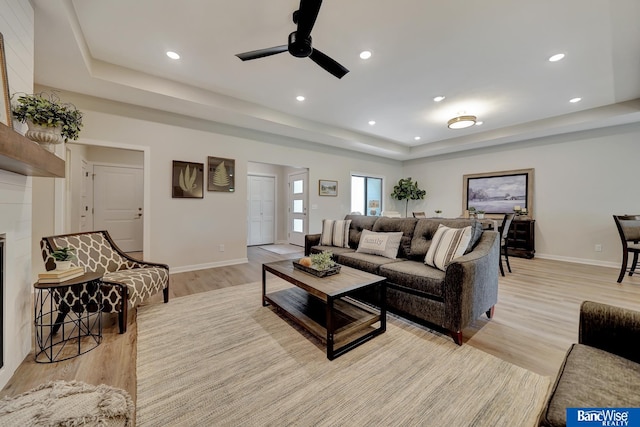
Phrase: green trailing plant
x=46 y=110
x=406 y=189
x=63 y=254
x=322 y=261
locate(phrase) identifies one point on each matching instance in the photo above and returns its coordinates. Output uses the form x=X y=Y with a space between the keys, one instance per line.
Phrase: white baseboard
x=579 y=260
x=195 y=267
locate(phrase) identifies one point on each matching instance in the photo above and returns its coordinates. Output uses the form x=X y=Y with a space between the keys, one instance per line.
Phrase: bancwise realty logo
x=603 y=417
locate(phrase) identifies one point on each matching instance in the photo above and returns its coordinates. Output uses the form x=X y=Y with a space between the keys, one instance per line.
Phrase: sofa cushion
x=359 y=223
x=366 y=262
x=590 y=377
x=333 y=249
x=383 y=244
x=426 y=228
x=406 y=225
x=447 y=245
x=335 y=233
x=415 y=275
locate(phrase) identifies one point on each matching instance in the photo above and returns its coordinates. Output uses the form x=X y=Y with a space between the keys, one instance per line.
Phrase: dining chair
x=419 y=215
x=504 y=237
x=629 y=231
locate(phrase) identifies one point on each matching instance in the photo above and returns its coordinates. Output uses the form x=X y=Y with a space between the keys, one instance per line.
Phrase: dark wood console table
x=521 y=239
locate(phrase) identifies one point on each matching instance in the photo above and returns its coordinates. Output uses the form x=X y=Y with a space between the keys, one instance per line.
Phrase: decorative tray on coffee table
x=318 y=273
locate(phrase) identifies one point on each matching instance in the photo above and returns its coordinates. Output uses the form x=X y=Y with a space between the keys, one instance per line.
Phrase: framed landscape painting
x=499 y=192
x=327 y=188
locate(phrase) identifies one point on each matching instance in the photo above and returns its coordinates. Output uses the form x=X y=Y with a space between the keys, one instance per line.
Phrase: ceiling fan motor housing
x=300 y=48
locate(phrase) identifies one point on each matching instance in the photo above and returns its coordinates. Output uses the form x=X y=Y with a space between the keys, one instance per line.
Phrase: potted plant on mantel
x=407 y=190
x=49 y=120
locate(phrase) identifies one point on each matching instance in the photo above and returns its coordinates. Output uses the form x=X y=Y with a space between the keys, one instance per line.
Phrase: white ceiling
x=488 y=58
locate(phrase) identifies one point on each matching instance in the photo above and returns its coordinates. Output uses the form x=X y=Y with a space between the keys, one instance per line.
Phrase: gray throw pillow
x=383 y=244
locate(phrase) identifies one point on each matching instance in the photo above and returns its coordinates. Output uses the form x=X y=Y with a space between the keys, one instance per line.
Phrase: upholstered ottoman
x=69 y=404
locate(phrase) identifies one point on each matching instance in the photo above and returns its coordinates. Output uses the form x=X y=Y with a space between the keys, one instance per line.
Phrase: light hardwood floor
x=535 y=322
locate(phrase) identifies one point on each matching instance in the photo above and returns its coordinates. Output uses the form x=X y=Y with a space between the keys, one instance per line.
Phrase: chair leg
x=623 y=269
x=165 y=294
x=500 y=264
x=62 y=313
x=122 y=317
x=506 y=258
x=633 y=265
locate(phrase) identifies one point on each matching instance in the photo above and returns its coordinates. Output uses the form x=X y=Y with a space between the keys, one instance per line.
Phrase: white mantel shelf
x=25 y=157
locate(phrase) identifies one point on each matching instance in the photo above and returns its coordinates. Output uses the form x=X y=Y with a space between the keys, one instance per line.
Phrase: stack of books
x=58 y=276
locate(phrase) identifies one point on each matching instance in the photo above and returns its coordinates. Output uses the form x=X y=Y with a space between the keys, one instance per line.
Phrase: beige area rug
x=282 y=249
x=221 y=359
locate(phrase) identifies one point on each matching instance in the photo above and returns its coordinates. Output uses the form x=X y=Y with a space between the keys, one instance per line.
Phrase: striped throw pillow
x=447 y=244
x=335 y=233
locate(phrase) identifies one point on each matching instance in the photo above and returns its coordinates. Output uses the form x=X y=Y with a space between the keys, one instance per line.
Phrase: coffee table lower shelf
x=352 y=322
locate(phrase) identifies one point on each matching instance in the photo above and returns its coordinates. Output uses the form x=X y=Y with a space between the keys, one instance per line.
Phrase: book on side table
x=57 y=276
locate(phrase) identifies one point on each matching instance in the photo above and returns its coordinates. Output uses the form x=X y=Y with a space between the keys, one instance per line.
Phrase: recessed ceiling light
x=438 y=98
x=372 y=122
x=574 y=100
x=417 y=138
x=556 y=57
x=365 y=54
x=300 y=98
x=173 y=55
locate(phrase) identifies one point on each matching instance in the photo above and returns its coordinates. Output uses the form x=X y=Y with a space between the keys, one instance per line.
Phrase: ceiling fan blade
x=328 y=64
x=261 y=53
x=307 y=15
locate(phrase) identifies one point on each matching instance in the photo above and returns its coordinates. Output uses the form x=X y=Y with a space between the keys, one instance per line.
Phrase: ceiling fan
x=300 y=41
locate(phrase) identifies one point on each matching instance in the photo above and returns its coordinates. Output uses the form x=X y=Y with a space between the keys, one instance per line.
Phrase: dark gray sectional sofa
x=450 y=299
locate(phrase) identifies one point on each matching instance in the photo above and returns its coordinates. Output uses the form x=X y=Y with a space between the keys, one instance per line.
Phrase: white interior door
x=261 y=213
x=117 y=202
x=298 y=224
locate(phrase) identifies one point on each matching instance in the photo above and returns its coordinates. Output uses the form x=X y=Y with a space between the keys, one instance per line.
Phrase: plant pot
x=480 y=216
x=44 y=135
x=63 y=265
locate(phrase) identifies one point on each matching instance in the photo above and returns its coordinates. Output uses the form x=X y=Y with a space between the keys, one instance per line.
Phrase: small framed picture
x=188 y=180
x=5 y=103
x=327 y=188
x=221 y=176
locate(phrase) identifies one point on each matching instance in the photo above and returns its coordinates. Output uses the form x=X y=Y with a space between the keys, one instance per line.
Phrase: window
x=366 y=195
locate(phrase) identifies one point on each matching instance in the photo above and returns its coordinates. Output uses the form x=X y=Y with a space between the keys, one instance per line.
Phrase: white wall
x=581 y=180
x=187 y=233
x=16 y=25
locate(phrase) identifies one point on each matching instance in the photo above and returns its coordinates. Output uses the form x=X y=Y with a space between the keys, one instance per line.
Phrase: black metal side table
x=68 y=317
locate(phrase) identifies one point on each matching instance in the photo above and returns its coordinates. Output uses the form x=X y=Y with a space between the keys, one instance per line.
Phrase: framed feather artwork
x=221 y=176
x=187 y=180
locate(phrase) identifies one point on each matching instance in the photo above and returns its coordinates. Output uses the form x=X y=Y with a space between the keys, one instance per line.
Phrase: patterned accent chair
x=126 y=281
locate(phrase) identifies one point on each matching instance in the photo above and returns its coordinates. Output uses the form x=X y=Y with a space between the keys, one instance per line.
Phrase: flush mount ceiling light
x=557 y=57
x=372 y=122
x=438 y=98
x=461 y=122
x=300 y=98
x=365 y=54
x=173 y=55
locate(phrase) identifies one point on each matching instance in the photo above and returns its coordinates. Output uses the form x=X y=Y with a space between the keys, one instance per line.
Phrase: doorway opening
x=276 y=207
x=106 y=191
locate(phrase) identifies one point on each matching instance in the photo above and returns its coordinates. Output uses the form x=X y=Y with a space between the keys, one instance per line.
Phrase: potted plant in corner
x=63 y=257
x=49 y=120
x=407 y=190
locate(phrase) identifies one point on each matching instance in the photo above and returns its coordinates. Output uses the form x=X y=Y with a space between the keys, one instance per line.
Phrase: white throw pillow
x=447 y=244
x=335 y=233
x=383 y=244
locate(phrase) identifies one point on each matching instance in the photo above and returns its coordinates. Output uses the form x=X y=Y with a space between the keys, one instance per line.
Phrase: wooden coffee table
x=324 y=306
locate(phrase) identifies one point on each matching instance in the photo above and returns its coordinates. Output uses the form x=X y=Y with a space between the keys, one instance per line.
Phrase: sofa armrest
x=612 y=329
x=471 y=282
x=309 y=241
